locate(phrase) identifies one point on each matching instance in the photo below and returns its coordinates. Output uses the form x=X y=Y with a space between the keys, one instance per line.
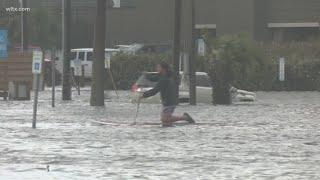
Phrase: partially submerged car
x=137 y=48
x=148 y=80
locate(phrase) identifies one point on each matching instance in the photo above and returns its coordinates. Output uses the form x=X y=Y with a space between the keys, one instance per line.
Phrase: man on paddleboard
x=166 y=87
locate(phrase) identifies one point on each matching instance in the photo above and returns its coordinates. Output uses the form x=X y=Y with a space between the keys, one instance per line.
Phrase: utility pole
x=192 y=59
x=53 y=76
x=176 y=45
x=24 y=27
x=97 y=87
x=66 y=84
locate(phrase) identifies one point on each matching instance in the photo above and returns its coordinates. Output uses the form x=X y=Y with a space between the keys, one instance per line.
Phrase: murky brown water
x=277 y=137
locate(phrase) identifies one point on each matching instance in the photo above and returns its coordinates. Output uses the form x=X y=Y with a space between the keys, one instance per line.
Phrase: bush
x=254 y=66
x=302 y=65
x=126 y=69
x=248 y=65
x=242 y=61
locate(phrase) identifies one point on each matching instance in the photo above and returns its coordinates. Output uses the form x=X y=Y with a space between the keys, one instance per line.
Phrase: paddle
x=137 y=112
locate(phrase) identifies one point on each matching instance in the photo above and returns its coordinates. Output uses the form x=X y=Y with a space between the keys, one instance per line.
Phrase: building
x=151 y=21
x=280 y=20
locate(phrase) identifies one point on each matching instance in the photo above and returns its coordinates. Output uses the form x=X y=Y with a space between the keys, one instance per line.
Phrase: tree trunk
x=97 y=87
x=192 y=59
x=66 y=84
x=24 y=28
x=176 y=46
x=221 y=83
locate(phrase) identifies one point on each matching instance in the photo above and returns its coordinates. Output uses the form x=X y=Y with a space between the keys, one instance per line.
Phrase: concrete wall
x=234 y=16
x=283 y=11
x=151 y=21
x=206 y=12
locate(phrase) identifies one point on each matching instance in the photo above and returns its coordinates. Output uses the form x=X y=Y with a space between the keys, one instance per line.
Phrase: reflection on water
x=277 y=137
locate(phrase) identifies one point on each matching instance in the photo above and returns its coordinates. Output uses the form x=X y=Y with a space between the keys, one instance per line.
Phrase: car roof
x=91 y=50
x=181 y=72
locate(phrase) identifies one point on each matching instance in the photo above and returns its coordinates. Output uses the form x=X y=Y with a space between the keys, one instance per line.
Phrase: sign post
x=282 y=64
x=36 y=70
x=3 y=44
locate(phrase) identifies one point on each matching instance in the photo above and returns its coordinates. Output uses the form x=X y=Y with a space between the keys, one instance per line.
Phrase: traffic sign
x=282 y=72
x=3 y=44
x=37 y=62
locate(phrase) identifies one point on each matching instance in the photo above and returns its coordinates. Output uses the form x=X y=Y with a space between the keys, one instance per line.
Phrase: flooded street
x=277 y=137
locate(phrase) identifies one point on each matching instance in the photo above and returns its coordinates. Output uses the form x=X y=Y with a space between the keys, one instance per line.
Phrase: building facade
x=265 y=20
x=151 y=21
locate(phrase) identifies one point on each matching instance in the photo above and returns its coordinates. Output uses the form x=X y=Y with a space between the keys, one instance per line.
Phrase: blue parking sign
x=3 y=44
x=37 y=66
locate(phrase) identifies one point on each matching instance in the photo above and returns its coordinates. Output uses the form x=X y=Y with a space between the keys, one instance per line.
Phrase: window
x=148 y=80
x=73 y=55
x=122 y=3
x=203 y=81
x=81 y=56
x=89 y=56
x=116 y=3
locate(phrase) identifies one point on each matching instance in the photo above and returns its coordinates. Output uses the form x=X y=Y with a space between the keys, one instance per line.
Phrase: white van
x=86 y=56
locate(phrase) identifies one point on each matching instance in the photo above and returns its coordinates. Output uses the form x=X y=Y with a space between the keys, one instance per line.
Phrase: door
x=87 y=70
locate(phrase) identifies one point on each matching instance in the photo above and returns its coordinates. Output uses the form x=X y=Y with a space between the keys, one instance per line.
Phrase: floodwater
x=277 y=137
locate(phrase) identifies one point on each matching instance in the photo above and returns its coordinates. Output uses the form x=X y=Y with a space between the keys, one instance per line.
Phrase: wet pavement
x=277 y=137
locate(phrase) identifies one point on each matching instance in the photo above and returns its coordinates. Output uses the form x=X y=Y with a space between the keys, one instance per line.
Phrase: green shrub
x=302 y=65
x=248 y=65
x=126 y=69
x=254 y=66
x=245 y=63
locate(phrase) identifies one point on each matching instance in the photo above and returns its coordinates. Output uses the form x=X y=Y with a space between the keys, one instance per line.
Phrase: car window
x=153 y=77
x=89 y=56
x=203 y=81
x=73 y=55
x=148 y=80
x=81 y=56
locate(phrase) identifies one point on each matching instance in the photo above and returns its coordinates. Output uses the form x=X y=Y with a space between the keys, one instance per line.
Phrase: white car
x=86 y=55
x=203 y=89
x=137 y=48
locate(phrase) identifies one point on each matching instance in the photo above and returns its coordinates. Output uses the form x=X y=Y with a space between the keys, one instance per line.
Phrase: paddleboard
x=110 y=123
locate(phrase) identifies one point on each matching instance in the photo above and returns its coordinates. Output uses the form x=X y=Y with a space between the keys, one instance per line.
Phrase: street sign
x=282 y=64
x=37 y=62
x=77 y=67
x=3 y=44
x=36 y=69
x=107 y=61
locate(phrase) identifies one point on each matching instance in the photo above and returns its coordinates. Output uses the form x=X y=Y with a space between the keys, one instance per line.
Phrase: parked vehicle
x=86 y=55
x=203 y=87
x=137 y=48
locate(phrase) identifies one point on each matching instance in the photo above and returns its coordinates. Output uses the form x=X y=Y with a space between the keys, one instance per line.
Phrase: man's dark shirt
x=166 y=87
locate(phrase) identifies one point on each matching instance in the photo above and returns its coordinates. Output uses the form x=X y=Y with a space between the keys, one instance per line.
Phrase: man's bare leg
x=168 y=120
